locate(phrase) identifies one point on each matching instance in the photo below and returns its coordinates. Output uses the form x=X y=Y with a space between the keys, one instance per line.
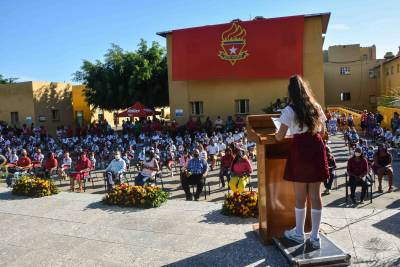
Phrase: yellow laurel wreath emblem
x=233 y=43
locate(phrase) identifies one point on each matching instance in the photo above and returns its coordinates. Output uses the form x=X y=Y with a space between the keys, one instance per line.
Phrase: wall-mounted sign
x=178 y=112
x=42 y=118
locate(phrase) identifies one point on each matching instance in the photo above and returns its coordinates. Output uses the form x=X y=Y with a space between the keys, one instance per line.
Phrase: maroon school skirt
x=307 y=161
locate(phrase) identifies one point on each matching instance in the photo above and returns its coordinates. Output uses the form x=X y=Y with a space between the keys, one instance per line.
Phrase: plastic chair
x=370 y=182
x=205 y=185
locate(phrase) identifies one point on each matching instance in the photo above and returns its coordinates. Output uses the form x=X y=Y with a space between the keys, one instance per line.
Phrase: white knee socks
x=300 y=220
x=316 y=221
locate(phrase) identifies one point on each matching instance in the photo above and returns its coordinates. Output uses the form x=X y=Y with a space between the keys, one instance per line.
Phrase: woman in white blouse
x=307 y=164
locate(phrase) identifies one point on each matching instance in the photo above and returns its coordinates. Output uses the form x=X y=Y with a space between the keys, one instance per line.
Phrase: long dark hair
x=303 y=103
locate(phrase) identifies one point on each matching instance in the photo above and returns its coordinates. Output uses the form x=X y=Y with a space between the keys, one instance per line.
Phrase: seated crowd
x=145 y=145
x=370 y=157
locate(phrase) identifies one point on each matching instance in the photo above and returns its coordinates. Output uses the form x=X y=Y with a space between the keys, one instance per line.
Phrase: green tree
x=4 y=80
x=126 y=77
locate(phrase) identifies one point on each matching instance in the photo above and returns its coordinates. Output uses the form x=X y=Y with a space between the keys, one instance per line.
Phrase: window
x=197 y=108
x=344 y=70
x=14 y=118
x=55 y=115
x=398 y=67
x=387 y=71
x=345 y=96
x=392 y=70
x=242 y=106
x=371 y=74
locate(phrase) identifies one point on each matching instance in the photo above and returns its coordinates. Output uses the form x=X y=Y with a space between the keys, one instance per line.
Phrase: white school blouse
x=289 y=118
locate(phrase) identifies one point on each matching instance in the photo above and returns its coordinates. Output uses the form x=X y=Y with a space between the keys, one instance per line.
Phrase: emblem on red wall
x=233 y=44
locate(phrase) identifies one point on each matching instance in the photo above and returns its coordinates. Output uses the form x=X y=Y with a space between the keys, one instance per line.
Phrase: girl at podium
x=307 y=164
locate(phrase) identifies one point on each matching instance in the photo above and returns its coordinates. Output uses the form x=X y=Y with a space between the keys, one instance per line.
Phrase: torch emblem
x=233 y=43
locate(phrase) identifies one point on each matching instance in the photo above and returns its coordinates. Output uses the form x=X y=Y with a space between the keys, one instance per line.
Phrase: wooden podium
x=276 y=200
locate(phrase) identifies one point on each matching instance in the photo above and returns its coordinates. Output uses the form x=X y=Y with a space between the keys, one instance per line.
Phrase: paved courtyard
x=71 y=229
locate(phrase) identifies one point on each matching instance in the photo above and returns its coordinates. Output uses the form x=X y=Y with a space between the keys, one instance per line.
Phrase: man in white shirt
x=115 y=170
x=213 y=151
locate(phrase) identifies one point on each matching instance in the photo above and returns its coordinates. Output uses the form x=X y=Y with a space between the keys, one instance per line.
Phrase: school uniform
x=305 y=145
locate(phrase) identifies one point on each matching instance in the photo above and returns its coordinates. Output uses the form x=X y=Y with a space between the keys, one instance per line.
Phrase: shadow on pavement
x=112 y=208
x=394 y=205
x=390 y=225
x=9 y=196
x=217 y=217
x=248 y=251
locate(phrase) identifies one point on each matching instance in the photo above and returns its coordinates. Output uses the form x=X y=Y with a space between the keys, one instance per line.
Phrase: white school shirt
x=288 y=117
x=213 y=149
x=203 y=155
x=67 y=161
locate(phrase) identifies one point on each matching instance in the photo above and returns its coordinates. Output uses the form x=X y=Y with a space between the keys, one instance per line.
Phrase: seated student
x=170 y=159
x=38 y=157
x=184 y=160
x=127 y=159
x=197 y=168
x=82 y=168
x=66 y=164
x=23 y=164
x=202 y=152
x=378 y=133
x=388 y=137
x=213 y=151
x=383 y=166
x=332 y=167
x=93 y=160
x=240 y=171
x=12 y=157
x=357 y=168
x=353 y=138
x=370 y=156
x=50 y=165
x=362 y=143
x=150 y=167
x=115 y=170
x=226 y=163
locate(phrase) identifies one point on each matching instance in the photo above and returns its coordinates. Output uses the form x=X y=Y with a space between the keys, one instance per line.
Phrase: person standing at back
x=305 y=119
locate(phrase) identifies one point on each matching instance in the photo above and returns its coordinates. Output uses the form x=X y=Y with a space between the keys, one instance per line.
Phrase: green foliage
x=4 y=80
x=273 y=108
x=126 y=77
x=136 y=196
x=34 y=187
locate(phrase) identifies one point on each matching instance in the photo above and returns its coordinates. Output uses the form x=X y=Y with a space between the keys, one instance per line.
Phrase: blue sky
x=48 y=39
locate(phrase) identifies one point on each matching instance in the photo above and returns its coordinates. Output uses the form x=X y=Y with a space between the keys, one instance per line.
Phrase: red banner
x=261 y=48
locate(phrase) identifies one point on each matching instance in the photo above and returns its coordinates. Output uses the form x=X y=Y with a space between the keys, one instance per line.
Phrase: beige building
x=350 y=79
x=42 y=103
x=202 y=98
x=388 y=73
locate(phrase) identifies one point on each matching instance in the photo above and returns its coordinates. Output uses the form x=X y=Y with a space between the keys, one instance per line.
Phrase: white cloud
x=339 y=27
